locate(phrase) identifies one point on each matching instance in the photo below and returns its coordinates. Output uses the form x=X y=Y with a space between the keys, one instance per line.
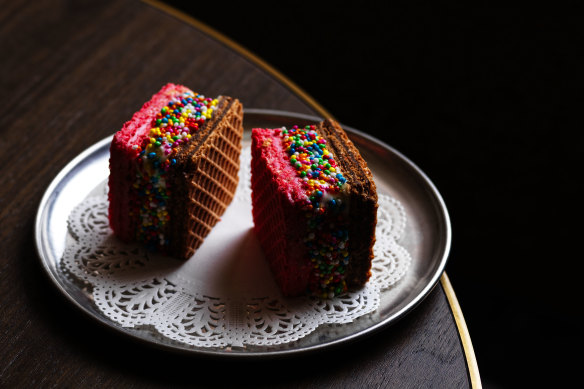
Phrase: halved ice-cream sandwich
x=314 y=208
x=174 y=169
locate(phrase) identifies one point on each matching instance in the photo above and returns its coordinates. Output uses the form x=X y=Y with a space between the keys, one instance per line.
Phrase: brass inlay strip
x=471 y=361
x=243 y=51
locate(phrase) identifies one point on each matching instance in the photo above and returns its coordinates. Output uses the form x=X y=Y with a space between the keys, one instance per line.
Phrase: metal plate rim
x=49 y=194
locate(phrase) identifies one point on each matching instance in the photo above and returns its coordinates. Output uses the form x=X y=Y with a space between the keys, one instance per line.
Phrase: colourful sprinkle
x=327 y=238
x=172 y=127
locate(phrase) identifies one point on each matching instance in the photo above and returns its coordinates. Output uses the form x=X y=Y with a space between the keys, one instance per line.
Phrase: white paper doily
x=224 y=296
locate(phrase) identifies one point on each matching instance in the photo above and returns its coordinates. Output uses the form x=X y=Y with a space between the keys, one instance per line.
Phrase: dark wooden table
x=71 y=74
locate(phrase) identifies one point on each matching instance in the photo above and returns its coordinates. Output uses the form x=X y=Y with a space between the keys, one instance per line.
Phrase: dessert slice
x=174 y=169
x=314 y=208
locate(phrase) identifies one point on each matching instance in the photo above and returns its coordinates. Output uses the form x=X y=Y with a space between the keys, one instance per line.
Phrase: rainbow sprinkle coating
x=327 y=238
x=172 y=127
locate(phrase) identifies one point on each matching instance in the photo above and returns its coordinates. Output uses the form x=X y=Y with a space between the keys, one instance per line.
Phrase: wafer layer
x=207 y=177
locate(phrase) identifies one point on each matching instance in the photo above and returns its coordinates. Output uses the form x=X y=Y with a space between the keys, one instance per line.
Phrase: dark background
x=489 y=105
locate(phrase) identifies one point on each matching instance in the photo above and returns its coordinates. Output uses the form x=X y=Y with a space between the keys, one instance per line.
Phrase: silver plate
x=427 y=237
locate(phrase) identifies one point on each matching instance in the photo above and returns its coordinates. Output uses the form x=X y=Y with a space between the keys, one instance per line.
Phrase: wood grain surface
x=71 y=74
